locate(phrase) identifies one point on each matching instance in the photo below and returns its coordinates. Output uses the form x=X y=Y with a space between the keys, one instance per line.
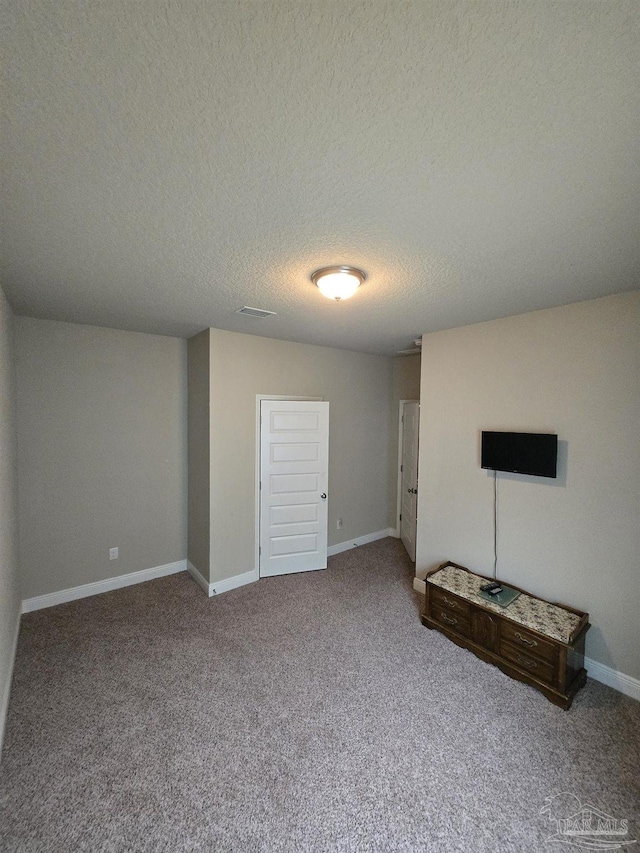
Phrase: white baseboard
x=218 y=587
x=332 y=550
x=420 y=585
x=4 y=707
x=195 y=574
x=612 y=678
x=107 y=585
x=232 y=583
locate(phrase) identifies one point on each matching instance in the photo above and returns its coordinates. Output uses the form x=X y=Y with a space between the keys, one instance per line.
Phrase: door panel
x=295 y=452
x=409 y=487
x=280 y=484
x=293 y=421
x=296 y=514
x=294 y=444
x=285 y=546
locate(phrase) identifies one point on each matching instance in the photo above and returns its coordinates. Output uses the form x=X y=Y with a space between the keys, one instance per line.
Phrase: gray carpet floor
x=304 y=713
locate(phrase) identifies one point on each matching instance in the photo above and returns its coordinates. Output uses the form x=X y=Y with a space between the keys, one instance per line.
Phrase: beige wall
x=101 y=453
x=9 y=586
x=199 y=533
x=572 y=370
x=357 y=387
x=405 y=378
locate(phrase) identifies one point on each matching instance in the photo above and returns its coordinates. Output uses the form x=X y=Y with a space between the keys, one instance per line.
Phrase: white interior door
x=409 y=487
x=294 y=462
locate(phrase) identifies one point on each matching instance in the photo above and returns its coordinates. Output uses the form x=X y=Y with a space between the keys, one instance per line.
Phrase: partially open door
x=294 y=474
x=409 y=479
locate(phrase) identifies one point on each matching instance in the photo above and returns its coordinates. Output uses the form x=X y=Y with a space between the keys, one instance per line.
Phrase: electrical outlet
x=113 y=553
x=339 y=524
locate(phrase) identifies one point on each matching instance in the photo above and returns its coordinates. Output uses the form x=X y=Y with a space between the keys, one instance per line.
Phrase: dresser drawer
x=448 y=601
x=549 y=656
x=529 y=642
x=536 y=666
x=450 y=620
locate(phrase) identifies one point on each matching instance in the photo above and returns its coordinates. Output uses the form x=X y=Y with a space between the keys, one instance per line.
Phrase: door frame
x=259 y=399
x=400 y=450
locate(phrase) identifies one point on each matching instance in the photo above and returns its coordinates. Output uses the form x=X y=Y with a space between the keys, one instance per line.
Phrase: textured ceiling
x=166 y=163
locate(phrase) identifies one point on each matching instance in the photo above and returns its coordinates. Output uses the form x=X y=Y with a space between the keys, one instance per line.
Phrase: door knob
x=323 y=496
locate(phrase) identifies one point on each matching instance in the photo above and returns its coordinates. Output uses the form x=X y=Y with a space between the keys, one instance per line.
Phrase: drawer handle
x=527 y=662
x=448 y=619
x=448 y=602
x=526 y=641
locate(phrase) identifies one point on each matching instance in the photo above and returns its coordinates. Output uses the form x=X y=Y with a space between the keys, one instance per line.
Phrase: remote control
x=487 y=587
x=495 y=591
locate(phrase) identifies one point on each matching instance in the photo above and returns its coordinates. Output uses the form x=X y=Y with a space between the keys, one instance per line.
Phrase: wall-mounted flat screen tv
x=520 y=452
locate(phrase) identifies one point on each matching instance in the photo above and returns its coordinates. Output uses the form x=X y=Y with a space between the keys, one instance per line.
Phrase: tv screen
x=520 y=452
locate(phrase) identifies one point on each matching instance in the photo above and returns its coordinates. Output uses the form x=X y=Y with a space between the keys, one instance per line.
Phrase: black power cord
x=495 y=524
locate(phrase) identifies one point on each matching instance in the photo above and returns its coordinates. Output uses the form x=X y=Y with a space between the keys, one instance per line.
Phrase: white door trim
x=400 y=449
x=259 y=398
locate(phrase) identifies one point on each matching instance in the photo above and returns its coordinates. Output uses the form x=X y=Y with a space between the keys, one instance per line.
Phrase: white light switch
x=113 y=553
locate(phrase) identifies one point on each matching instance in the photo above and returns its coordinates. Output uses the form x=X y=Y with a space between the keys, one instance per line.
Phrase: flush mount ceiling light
x=339 y=282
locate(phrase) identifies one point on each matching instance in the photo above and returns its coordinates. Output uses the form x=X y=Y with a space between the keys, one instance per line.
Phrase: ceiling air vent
x=417 y=344
x=255 y=312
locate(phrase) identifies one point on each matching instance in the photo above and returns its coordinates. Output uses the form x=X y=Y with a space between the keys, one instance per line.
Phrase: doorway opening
x=407 y=492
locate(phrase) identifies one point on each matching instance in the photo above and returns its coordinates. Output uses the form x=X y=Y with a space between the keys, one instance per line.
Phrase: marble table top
x=549 y=619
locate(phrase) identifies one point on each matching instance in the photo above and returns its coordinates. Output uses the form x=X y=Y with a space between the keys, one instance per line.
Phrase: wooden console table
x=532 y=640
